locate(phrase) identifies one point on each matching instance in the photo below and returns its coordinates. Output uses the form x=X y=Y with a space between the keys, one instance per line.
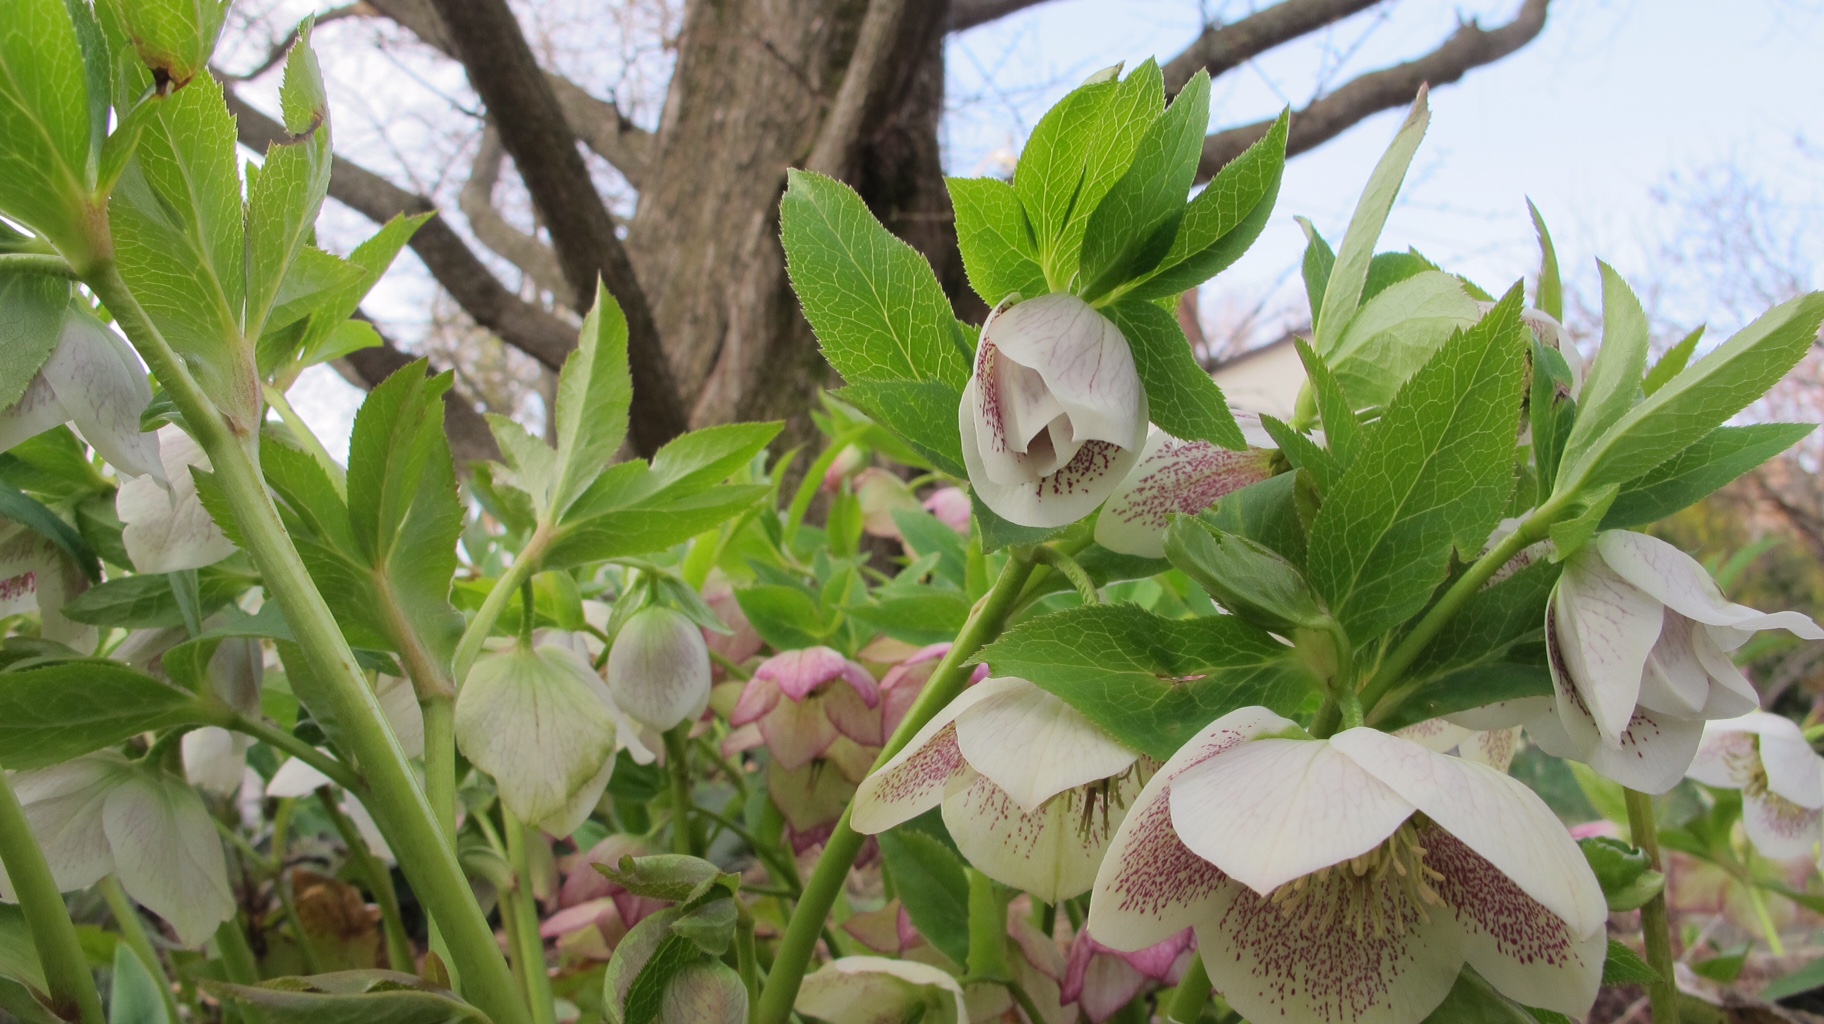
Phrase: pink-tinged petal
x=851 y=715
x=796 y=733
x=881 y=493
x=1255 y=810
x=576 y=918
x=1038 y=967
x=913 y=780
x=1678 y=581
x=1497 y=817
x=1173 y=476
x=1052 y=853
x=1604 y=629
x=745 y=738
x=887 y=930
x=758 y=697
x=843 y=466
x=1525 y=950
x=1728 y=757
x=1099 y=983
x=584 y=883
x=799 y=673
x=1779 y=828
x=1033 y=745
x=1275 y=965
x=1058 y=499
x=1151 y=886
x=1495 y=748
x=951 y=506
x=810 y=797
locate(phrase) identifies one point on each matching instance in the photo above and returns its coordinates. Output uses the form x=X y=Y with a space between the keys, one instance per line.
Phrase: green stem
x=66 y=968
x=1394 y=666
x=746 y=957
x=440 y=782
x=496 y=602
x=393 y=793
x=32 y=263
x=335 y=770
x=529 y=953
x=1192 y=995
x=1072 y=571
x=133 y=933
x=239 y=963
x=677 y=769
x=1655 y=925
x=820 y=892
x=379 y=882
x=782 y=869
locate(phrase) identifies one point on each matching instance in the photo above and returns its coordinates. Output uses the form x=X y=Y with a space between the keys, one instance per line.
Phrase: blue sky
x=1613 y=100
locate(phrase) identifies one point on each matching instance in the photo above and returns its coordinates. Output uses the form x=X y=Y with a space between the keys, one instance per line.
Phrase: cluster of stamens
x=1097 y=801
x=1377 y=891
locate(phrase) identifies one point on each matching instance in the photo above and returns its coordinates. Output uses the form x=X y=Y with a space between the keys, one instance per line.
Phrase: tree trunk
x=753 y=82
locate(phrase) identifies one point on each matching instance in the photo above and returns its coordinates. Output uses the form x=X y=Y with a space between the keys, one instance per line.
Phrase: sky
x=1617 y=102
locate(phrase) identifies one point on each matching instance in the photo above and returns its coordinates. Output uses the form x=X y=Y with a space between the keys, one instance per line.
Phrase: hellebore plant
x=1048 y=649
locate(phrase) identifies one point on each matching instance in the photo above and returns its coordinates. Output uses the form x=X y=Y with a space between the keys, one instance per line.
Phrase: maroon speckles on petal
x=1187 y=477
x=1157 y=870
x=923 y=775
x=13 y=588
x=1093 y=462
x=1487 y=901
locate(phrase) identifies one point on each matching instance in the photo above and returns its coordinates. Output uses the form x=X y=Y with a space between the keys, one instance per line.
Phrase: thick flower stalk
x=1351 y=878
x=1054 y=415
x=1780 y=777
x=1031 y=790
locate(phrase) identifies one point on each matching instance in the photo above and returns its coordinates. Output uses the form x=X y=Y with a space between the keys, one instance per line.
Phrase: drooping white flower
x=102 y=814
x=538 y=720
x=36 y=575
x=93 y=381
x=1175 y=476
x=1054 y=415
x=1351 y=878
x=1031 y=790
x=658 y=668
x=167 y=527
x=874 y=989
x=215 y=759
x=1493 y=747
x=1781 y=779
x=1638 y=637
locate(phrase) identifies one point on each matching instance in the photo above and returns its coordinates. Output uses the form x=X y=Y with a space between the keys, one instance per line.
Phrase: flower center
x=1096 y=802
x=1383 y=889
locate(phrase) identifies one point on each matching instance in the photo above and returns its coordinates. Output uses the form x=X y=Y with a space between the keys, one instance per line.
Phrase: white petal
x=1033 y=745
x=1151 y=886
x=103 y=388
x=913 y=781
x=1497 y=817
x=1604 y=629
x=1523 y=948
x=1727 y=757
x=296 y=778
x=1495 y=748
x=1731 y=694
x=1654 y=752
x=1269 y=811
x=35 y=575
x=1439 y=734
x=1502 y=714
x=877 y=990
x=581 y=805
x=1052 y=852
x=64 y=805
x=1274 y=966
x=36 y=411
x=170 y=530
x=215 y=759
x=369 y=829
x=534 y=721
x=1057 y=500
x=1793 y=770
x=1676 y=681
x=1172 y=476
x=1677 y=580
x=658 y=668
x=399 y=702
x=1084 y=361
x=1779 y=828
x=168 y=855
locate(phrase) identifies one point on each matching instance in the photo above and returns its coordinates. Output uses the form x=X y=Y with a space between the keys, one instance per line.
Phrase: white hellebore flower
x=1638 y=636
x=1054 y=415
x=1781 y=779
x=539 y=721
x=102 y=814
x=92 y=380
x=215 y=758
x=1350 y=879
x=36 y=575
x=296 y=779
x=1031 y=790
x=1176 y=476
x=167 y=528
x=658 y=668
x=877 y=990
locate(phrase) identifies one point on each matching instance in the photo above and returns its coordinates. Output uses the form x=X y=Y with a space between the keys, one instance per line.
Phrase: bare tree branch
x=870 y=68
x=526 y=327
x=599 y=123
x=1324 y=119
x=1223 y=48
x=523 y=250
x=967 y=14
x=470 y=439
x=277 y=52
x=504 y=72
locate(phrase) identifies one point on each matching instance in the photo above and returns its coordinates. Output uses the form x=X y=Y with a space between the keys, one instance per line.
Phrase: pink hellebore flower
x=1175 y=476
x=1101 y=979
x=1054 y=415
x=1350 y=879
x=846 y=464
x=804 y=700
x=741 y=642
x=951 y=507
x=881 y=493
x=902 y=684
x=1781 y=779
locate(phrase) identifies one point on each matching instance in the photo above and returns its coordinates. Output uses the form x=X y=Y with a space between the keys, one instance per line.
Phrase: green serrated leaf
x=1395 y=332
x=1225 y=218
x=31 y=323
x=52 y=713
x=673 y=877
x=1000 y=255
x=1184 y=401
x=1688 y=477
x=1432 y=478
x=1613 y=384
x=46 y=122
x=1342 y=428
x=1152 y=682
x=1550 y=296
x=877 y=308
x=350 y=997
x=923 y=415
x=1133 y=227
x=1673 y=362
x=1318 y=261
x=933 y=616
x=594 y=392
x=1245 y=577
x=1551 y=411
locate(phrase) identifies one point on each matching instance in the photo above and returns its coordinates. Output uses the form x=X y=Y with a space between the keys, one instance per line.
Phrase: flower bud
x=658 y=668
x=881 y=494
x=951 y=507
x=1054 y=415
